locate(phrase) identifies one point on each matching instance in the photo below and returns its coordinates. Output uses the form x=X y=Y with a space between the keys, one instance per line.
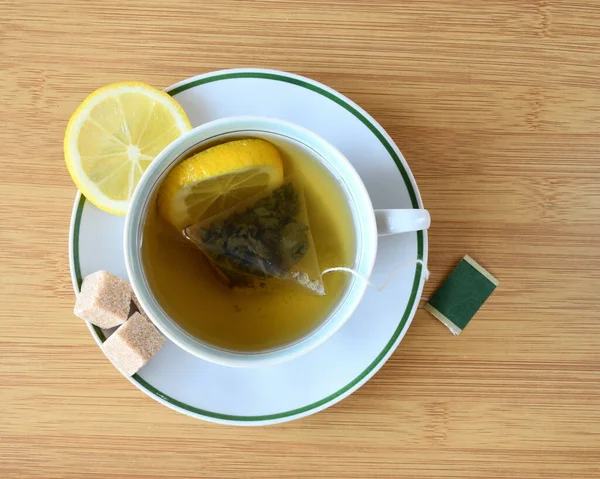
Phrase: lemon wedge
x=114 y=135
x=217 y=179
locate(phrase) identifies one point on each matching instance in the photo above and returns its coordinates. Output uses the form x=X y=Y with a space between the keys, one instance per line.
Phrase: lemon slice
x=114 y=135
x=217 y=179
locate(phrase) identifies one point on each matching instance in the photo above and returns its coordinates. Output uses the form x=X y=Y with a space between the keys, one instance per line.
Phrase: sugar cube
x=131 y=346
x=104 y=300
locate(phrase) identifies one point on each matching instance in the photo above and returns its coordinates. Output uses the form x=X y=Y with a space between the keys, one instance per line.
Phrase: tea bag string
x=380 y=287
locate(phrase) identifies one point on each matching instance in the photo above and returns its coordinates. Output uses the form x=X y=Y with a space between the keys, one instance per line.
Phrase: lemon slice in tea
x=217 y=179
x=114 y=135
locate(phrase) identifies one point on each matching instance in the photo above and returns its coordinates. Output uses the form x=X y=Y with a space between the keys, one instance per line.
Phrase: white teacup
x=369 y=223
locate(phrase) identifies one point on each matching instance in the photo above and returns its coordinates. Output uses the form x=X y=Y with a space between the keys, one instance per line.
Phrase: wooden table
x=496 y=106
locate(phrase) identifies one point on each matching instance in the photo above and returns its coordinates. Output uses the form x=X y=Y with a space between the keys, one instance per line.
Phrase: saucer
x=337 y=368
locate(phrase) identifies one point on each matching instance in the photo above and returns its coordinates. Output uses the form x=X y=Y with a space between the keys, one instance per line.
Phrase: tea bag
x=264 y=243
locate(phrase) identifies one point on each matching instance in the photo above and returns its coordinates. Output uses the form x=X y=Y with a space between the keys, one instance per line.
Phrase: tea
x=264 y=243
x=184 y=283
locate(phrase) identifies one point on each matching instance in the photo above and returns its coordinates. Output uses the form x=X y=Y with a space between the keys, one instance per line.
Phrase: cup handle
x=391 y=222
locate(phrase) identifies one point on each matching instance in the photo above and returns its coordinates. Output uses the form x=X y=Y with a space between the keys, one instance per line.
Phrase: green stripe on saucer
x=462 y=294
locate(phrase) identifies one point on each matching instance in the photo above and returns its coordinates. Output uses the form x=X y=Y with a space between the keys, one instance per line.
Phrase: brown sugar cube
x=132 y=345
x=104 y=300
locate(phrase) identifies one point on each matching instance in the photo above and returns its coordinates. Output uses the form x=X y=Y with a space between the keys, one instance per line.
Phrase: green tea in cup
x=225 y=305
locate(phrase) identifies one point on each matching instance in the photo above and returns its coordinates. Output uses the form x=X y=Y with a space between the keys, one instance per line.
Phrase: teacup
x=369 y=225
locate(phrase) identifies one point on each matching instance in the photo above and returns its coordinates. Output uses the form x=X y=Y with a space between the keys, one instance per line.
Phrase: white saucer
x=334 y=370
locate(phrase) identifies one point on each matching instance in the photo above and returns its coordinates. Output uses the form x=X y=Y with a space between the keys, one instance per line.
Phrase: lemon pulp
x=217 y=179
x=113 y=137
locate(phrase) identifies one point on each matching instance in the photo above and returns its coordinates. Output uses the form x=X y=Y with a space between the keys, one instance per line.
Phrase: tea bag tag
x=461 y=295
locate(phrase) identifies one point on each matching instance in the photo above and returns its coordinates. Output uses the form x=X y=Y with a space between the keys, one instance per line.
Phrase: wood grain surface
x=496 y=106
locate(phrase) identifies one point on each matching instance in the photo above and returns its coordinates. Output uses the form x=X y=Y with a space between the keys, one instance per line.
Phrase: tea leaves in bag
x=264 y=243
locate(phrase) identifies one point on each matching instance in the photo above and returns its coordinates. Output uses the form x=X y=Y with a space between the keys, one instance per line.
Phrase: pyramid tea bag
x=264 y=243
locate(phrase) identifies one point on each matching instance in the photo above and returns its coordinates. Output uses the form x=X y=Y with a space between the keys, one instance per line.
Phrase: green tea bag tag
x=461 y=295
